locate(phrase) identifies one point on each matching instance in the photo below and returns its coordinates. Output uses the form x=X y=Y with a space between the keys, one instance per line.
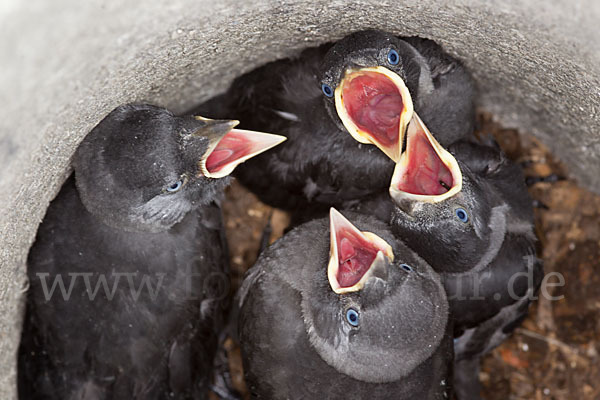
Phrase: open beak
x=354 y=255
x=375 y=106
x=426 y=171
x=230 y=147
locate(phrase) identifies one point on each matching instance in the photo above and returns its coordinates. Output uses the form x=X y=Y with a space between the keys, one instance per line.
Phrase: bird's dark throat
x=375 y=104
x=355 y=257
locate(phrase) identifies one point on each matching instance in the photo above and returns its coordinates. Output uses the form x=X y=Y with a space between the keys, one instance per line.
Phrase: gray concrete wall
x=65 y=63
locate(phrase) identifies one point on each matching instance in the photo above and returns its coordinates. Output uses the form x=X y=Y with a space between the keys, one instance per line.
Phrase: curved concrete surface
x=66 y=63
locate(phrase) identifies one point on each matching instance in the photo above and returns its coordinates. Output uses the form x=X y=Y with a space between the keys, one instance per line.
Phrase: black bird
x=468 y=214
x=321 y=165
x=129 y=274
x=363 y=317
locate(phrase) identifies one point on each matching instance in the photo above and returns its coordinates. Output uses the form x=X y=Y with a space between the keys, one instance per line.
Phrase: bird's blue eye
x=175 y=186
x=462 y=214
x=406 y=267
x=327 y=90
x=352 y=317
x=393 y=57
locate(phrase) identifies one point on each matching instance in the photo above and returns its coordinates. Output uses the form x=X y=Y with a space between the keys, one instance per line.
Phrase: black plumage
x=321 y=164
x=467 y=212
x=297 y=342
x=482 y=243
x=136 y=237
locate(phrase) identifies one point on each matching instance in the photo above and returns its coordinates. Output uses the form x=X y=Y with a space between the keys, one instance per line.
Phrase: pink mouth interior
x=233 y=146
x=355 y=256
x=375 y=104
x=425 y=174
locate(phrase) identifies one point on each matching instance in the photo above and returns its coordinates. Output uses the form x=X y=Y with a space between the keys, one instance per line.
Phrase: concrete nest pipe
x=66 y=63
